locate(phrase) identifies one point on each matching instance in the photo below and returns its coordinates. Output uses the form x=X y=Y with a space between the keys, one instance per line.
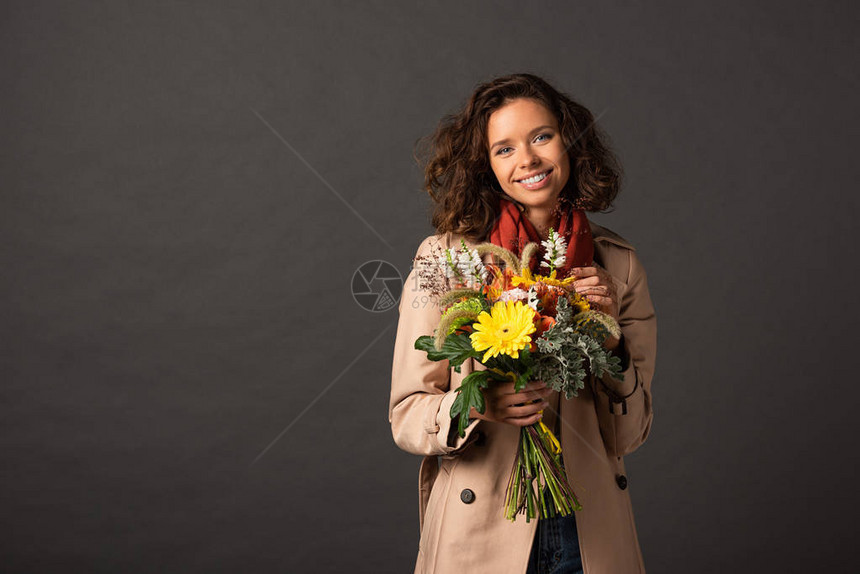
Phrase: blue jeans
x=555 y=549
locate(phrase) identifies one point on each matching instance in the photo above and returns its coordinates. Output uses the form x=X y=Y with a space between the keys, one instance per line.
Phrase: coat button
x=622 y=481
x=467 y=496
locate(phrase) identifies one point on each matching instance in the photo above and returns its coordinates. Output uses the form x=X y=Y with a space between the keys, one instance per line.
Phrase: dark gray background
x=176 y=279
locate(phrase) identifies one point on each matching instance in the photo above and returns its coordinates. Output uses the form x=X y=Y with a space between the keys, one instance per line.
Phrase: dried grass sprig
x=445 y=323
x=508 y=257
x=527 y=253
x=456 y=294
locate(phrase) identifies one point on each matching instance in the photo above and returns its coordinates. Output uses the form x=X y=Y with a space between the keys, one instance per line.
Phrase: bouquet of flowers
x=521 y=327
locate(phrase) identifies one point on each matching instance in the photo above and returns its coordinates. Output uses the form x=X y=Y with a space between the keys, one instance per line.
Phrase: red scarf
x=513 y=231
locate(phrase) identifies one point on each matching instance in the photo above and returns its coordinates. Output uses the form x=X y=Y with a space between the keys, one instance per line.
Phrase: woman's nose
x=529 y=158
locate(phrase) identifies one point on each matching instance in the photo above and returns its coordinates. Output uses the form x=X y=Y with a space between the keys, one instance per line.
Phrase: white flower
x=516 y=294
x=479 y=272
x=442 y=259
x=533 y=298
x=555 y=249
x=463 y=265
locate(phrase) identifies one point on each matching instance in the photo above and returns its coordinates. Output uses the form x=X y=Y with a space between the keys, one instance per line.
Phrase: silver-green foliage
x=568 y=350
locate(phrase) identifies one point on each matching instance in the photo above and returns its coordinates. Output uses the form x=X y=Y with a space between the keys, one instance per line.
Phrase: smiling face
x=527 y=153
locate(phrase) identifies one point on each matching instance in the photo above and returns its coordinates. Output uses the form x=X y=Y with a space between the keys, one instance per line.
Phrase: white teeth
x=535 y=179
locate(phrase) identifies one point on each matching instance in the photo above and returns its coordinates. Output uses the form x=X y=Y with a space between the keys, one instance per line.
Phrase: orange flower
x=542 y=323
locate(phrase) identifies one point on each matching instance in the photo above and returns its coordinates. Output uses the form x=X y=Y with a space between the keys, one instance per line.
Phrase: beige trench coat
x=468 y=533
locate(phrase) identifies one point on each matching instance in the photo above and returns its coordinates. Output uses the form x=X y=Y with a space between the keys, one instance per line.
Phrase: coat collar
x=601 y=234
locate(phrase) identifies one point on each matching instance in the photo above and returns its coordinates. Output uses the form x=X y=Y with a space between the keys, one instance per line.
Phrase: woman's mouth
x=536 y=181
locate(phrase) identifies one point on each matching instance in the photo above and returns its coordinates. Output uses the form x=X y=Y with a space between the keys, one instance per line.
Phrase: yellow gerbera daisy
x=504 y=330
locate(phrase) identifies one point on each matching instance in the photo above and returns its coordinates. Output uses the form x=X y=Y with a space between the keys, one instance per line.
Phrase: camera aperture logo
x=376 y=286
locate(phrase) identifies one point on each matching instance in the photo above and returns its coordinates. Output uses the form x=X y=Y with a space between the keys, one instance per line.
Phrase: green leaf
x=456 y=349
x=526 y=358
x=469 y=395
x=521 y=382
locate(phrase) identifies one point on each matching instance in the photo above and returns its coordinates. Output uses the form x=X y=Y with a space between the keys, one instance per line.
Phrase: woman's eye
x=543 y=137
x=503 y=150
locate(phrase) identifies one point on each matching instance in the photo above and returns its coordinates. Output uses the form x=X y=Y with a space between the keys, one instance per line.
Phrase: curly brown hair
x=457 y=172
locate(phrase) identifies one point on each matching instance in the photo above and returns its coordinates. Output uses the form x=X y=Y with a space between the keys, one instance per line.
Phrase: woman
x=518 y=159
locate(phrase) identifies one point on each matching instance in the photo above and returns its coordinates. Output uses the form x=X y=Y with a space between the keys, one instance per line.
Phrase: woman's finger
x=524 y=421
x=587 y=282
x=600 y=300
x=508 y=391
x=525 y=410
x=523 y=398
x=530 y=386
x=581 y=272
x=509 y=387
x=592 y=282
x=596 y=290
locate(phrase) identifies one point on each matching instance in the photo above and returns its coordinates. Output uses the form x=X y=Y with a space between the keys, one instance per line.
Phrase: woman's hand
x=597 y=286
x=503 y=405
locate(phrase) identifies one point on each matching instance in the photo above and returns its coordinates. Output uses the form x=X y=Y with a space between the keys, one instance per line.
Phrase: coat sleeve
x=421 y=397
x=624 y=407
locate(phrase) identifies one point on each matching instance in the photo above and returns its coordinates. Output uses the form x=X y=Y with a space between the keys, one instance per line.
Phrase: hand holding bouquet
x=521 y=327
